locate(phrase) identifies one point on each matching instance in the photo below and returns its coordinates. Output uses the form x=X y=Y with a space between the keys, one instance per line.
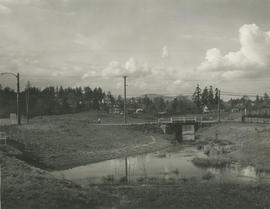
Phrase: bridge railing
x=164 y=120
x=177 y=119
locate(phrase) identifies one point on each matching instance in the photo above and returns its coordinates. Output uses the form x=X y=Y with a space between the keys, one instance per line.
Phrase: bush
x=211 y=162
x=208 y=176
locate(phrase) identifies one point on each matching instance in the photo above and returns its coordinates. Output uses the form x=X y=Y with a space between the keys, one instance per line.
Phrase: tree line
x=59 y=100
x=51 y=100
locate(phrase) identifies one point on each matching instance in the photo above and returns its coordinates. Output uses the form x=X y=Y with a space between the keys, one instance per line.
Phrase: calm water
x=159 y=165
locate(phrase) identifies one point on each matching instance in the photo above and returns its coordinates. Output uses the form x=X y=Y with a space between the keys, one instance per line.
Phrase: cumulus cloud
x=115 y=68
x=4 y=10
x=165 y=52
x=87 y=42
x=19 y=1
x=252 y=59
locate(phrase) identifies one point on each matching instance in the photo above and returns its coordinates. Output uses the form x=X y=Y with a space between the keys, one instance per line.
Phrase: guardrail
x=177 y=119
x=248 y=119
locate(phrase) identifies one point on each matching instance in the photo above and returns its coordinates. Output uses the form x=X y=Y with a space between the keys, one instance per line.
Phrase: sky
x=163 y=46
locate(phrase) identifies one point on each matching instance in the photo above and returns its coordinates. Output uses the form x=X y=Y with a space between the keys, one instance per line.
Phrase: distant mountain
x=165 y=97
x=152 y=96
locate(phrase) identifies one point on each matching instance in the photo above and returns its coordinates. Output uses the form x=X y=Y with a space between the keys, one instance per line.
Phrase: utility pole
x=125 y=120
x=27 y=101
x=126 y=168
x=18 y=99
x=125 y=98
x=218 y=105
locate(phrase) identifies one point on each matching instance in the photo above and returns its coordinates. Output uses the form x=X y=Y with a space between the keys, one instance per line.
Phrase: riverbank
x=26 y=187
x=245 y=143
x=60 y=142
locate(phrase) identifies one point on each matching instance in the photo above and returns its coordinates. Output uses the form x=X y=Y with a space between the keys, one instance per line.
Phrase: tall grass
x=211 y=162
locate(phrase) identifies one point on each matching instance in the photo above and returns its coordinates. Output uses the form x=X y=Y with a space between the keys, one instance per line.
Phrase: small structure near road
x=13 y=118
x=3 y=138
x=205 y=109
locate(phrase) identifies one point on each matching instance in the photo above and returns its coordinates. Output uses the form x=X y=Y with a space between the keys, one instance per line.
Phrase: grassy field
x=59 y=142
x=70 y=140
x=251 y=142
x=26 y=187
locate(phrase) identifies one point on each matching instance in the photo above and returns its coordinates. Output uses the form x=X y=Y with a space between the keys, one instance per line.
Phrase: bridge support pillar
x=196 y=127
x=178 y=132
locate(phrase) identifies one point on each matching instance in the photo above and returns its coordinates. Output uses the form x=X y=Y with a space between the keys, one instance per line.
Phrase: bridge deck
x=184 y=120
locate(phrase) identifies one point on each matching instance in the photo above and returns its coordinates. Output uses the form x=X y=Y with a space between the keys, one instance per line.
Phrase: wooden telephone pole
x=18 y=99
x=27 y=100
x=125 y=121
x=125 y=98
x=218 y=105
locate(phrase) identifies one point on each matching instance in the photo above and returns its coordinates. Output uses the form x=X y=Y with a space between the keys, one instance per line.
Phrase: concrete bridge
x=176 y=124
x=172 y=125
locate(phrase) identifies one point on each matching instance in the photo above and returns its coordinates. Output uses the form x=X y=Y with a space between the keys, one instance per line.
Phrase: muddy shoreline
x=26 y=187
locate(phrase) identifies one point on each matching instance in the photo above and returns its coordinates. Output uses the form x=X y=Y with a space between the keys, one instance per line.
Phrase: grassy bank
x=25 y=187
x=250 y=142
x=70 y=140
x=190 y=195
x=59 y=142
x=211 y=162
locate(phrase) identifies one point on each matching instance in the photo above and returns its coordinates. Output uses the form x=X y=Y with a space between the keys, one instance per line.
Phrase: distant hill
x=165 y=97
x=152 y=96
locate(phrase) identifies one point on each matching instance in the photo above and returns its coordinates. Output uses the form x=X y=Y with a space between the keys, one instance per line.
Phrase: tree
x=266 y=98
x=98 y=96
x=88 y=97
x=120 y=102
x=205 y=97
x=111 y=99
x=216 y=96
x=27 y=100
x=148 y=105
x=211 y=100
x=197 y=97
x=159 y=104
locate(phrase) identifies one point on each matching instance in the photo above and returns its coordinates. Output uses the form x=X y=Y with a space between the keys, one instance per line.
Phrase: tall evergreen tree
x=197 y=97
x=205 y=97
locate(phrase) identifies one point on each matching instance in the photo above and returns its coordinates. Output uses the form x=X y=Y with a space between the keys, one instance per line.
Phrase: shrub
x=210 y=162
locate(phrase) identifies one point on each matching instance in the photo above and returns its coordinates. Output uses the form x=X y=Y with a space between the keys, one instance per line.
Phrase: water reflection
x=158 y=165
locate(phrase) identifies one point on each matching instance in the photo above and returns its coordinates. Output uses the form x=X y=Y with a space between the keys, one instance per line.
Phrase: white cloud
x=19 y=1
x=130 y=68
x=89 y=74
x=165 y=52
x=252 y=59
x=177 y=82
x=87 y=42
x=4 y=10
